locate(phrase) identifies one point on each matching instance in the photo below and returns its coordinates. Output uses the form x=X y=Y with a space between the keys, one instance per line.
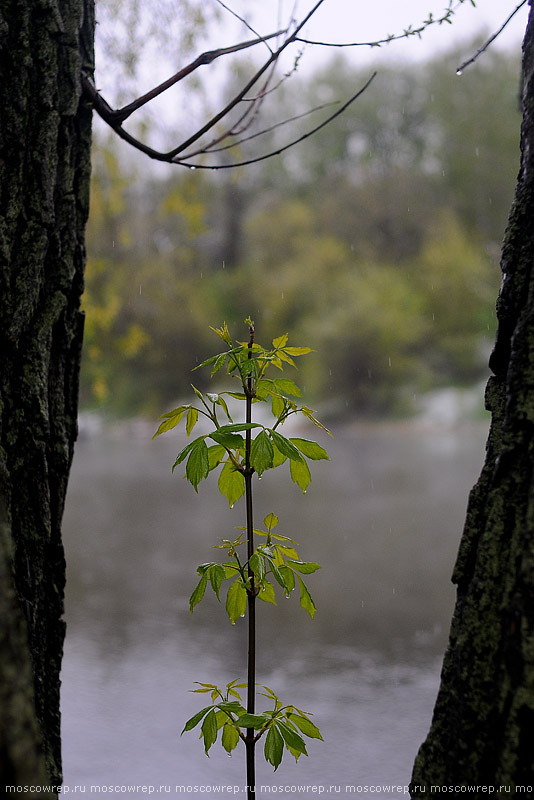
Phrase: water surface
x=384 y=518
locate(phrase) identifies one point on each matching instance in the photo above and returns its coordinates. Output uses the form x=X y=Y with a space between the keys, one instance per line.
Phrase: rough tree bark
x=483 y=726
x=45 y=131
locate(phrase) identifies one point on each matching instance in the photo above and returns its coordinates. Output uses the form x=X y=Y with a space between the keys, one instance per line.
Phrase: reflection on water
x=383 y=517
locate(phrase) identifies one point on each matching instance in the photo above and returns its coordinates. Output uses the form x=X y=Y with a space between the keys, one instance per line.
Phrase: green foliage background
x=376 y=241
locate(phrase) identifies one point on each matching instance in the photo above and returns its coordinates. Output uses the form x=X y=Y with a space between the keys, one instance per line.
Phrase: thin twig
x=115 y=117
x=210 y=149
x=489 y=41
x=237 y=99
x=449 y=12
x=120 y=115
x=277 y=152
x=243 y=20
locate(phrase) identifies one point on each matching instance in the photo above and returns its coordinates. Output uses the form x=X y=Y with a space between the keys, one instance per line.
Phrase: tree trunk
x=483 y=726
x=45 y=130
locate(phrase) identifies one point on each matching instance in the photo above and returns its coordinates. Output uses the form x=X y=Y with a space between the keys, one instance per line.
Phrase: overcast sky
x=367 y=20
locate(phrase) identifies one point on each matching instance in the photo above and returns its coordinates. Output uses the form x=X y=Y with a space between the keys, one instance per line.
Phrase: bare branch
x=115 y=117
x=407 y=33
x=121 y=114
x=211 y=149
x=237 y=99
x=490 y=40
x=285 y=147
x=241 y=19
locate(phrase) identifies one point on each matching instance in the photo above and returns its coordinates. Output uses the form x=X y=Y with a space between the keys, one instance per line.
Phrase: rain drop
x=192 y=166
x=232 y=505
x=389 y=361
x=139 y=288
x=458 y=72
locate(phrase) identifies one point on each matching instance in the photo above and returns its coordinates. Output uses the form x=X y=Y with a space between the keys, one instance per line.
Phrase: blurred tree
x=267 y=240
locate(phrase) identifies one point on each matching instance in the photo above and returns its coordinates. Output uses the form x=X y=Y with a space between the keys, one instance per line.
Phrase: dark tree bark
x=483 y=726
x=45 y=131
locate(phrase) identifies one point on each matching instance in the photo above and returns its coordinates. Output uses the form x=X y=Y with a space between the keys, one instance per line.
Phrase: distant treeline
x=375 y=241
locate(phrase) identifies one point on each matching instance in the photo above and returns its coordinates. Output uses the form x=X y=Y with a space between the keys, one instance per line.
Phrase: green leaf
x=257 y=565
x=236 y=601
x=297 y=351
x=293 y=740
x=198 y=465
x=223 y=332
x=193 y=722
x=266 y=593
x=278 y=405
x=289 y=579
x=285 y=446
x=310 y=449
x=216 y=453
x=270 y=521
x=280 y=341
x=217 y=575
x=170 y=420
x=278 y=457
x=232 y=441
x=232 y=705
x=274 y=747
x=308 y=413
x=207 y=362
x=300 y=473
x=222 y=402
x=255 y=721
x=238 y=426
x=231 y=483
x=209 y=730
x=218 y=364
x=282 y=356
x=277 y=575
x=306 y=726
x=185 y=452
x=285 y=386
x=221 y=718
x=261 y=453
x=192 y=417
x=198 y=593
x=306 y=601
x=305 y=567
x=230 y=737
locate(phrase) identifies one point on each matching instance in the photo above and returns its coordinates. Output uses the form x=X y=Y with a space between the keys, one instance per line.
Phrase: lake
x=383 y=517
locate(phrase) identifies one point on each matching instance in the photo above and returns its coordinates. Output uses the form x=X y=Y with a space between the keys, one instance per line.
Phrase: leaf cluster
x=248 y=362
x=277 y=558
x=283 y=725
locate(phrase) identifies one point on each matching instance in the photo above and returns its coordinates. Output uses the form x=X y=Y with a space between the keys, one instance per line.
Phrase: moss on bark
x=45 y=131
